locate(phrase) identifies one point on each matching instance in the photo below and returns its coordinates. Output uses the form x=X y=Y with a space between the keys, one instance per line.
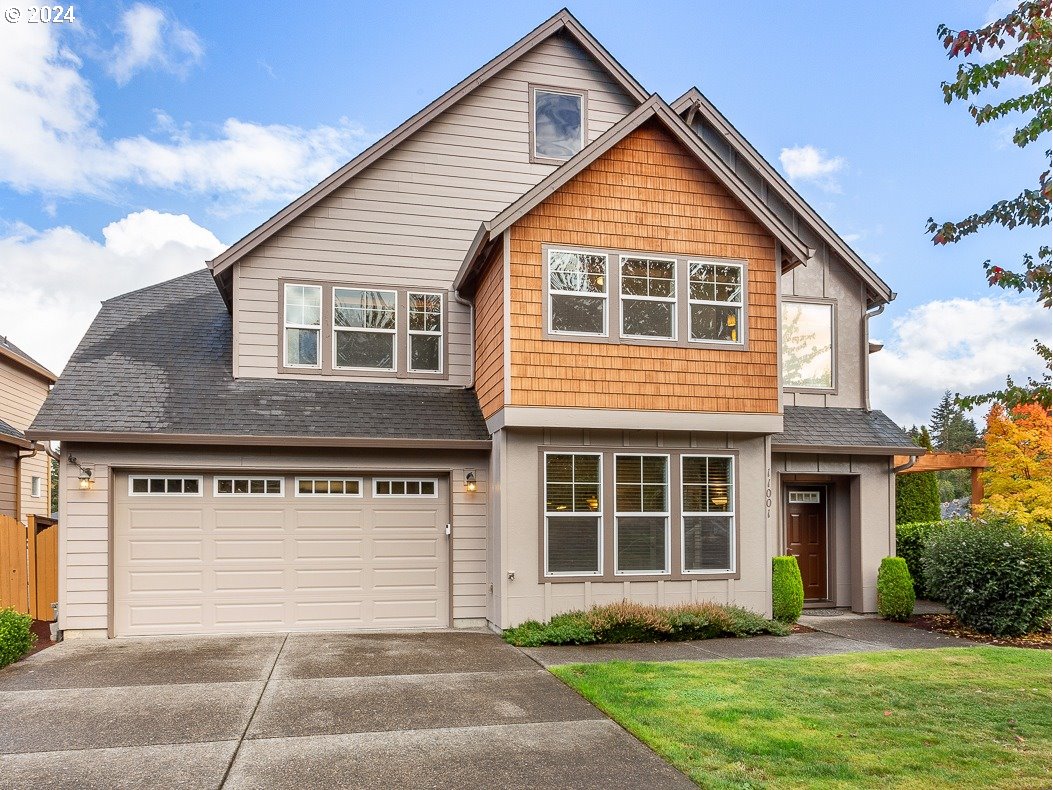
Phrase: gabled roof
x=694 y=100
x=652 y=109
x=563 y=20
x=828 y=429
x=9 y=350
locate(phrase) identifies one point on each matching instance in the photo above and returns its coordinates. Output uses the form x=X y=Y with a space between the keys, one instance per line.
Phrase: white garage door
x=215 y=553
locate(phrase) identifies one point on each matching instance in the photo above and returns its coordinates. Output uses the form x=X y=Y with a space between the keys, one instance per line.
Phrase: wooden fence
x=29 y=566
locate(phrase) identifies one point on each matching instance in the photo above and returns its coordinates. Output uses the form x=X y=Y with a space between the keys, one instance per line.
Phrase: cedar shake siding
x=489 y=337
x=646 y=194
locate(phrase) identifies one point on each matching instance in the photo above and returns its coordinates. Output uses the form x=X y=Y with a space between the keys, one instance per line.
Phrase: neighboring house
x=25 y=470
x=550 y=343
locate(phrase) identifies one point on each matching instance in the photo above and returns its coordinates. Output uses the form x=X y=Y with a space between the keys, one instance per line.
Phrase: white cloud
x=150 y=39
x=808 y=163
x=54 y=279
x=51 y=139
x=967 y=346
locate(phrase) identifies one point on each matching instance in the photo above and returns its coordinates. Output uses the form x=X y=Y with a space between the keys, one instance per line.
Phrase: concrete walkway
x=835 y=632
x=428 y=710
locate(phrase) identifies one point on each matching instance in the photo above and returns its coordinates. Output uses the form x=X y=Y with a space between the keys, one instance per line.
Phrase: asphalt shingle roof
x=10 y=430
x=840 y=427
x=158 y=360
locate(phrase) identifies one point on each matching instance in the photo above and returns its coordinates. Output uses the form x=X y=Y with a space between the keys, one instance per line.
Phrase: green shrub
x=15 y=636
x=917 y=498
x=910 y=543
x=634 y=622
x=895 y=592
x=787 y=589
x=993 y=574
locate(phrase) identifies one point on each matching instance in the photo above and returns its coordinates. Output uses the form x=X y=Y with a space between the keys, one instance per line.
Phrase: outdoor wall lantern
x=469 y=481
x=87 y=483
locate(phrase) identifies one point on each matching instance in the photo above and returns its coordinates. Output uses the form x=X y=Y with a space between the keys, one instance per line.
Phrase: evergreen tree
x=917 y=494
x=952 y=431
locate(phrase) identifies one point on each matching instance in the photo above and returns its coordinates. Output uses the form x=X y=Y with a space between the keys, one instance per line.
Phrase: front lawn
x=956 y=717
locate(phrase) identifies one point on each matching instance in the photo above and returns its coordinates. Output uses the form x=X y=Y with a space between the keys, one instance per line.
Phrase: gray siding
x=408 y=219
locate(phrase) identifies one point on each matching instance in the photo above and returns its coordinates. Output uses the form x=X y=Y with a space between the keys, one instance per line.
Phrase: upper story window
x=715 y=299
x=303 y=325
x=557 y=123
x=364 y=328
x=425 y=332
x=577 y=288
x=808 y=345
x=648 y=288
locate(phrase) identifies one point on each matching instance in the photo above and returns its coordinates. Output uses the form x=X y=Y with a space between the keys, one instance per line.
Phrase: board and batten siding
x=407 y=220
x=646 y=194
x=21 y=395
x=85 y=516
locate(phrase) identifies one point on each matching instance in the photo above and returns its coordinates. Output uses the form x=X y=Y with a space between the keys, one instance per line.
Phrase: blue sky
x=141 y=139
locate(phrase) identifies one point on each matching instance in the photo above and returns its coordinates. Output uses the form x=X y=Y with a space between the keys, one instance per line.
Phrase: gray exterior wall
x=86 y=518
x=21 y=395
x=408 y=219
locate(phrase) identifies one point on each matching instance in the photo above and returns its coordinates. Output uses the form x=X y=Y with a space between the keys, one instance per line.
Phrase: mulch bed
x=948 y=624
x=42 y=628
x=802 y=629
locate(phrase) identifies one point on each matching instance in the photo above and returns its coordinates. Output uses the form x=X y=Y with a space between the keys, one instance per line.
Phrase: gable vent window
x=303 y=324
x=557 y=124
x=250 y=486
x=648 y=297
x=715 y=301
x=364 y=324
x=425 y=332
x=577 y=288
x=169 y=486
x=405 y=487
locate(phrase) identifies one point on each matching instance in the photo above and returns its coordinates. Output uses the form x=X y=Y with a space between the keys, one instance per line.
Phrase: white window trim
x=433 y=480
x=315 y=327
x=534 y=91
x=673 y=300
x=605 y=295
x=217 y=478
x=148 y=477
x=425 y=333
x=618 y=514
x=740 y=304
x=393 y=331
x=326 y=495
x=731 y=514
x=597 y=514
x=35 y=486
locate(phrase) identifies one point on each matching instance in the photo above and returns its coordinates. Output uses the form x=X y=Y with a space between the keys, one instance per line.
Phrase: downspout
x=872 y=312
x=471 y=332
x=912 y=459
x=18 y=480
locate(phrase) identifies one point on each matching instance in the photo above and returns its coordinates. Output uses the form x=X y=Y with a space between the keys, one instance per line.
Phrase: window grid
x=302 y=315
x=660 y=289
x=640 y=489
x=250 y=486
x=162 y=485
x=424 y=322
x=709 y=281
x=329 y=486
x=713 y=487
x=593 y=507
x=424 y=488
x=380 y=310
x=589 y=281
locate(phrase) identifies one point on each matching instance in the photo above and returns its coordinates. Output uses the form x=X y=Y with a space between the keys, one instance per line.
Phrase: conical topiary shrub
x=787 y=589
x=895 y=590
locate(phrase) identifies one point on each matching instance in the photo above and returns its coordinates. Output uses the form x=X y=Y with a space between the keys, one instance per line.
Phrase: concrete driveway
x=411 y=710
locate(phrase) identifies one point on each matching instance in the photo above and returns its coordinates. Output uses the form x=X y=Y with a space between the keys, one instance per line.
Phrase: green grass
x=960 y=717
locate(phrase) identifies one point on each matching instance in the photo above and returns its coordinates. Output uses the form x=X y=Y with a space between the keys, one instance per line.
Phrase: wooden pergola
x=974 y=460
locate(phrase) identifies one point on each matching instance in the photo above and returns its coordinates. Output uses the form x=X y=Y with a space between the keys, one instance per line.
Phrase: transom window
x=364 y=327
x=250 y=486
x=303 y=325
x=405 y=487
x=577 y=287
x=648 y=288
x=328 y=486
x=808 y=345
x=715 y=301
x=147 y=485
x=641 y=500
x=425 y=332
x=573 y=514
x=558 y=123
x=708 y=513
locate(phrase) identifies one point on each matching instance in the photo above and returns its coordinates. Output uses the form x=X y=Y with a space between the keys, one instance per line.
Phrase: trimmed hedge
x=895 y=592
x=787 y=589
x=634 y=622
x=994 y=574
x=910 y=543
x=917 y=498
x=15 y=636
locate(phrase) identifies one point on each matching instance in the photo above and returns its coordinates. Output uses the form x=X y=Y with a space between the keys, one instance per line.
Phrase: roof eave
x=245 y=440
x=24 y=444
x=838 y=449
x=28 y=364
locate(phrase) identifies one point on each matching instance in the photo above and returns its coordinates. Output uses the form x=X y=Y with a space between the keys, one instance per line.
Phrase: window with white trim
x=158 y=485
x=648 y=302
x=715 y=301
x=364 y=328
x=250 y=486
x=807 y=344
x=573 y=514
x=577 y=293
x=34 y=486
x=303 y=325
x=329 y=486
x=559 y=128
x=641 y=517
x=708 y=513
x=425 y=332
x=405 y=487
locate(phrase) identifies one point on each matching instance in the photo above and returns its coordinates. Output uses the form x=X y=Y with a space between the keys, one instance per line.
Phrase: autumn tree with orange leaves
x=1017 y=481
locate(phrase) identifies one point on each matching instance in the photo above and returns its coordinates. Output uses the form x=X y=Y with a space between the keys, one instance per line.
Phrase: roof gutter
x=247 y=440
x=864 y=449
x=911 y=460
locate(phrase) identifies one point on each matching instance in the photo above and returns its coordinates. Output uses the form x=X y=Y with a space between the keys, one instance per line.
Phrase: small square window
x=558 y=123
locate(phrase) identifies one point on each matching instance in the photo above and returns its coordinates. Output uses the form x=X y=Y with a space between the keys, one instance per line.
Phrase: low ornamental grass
x=635 y=622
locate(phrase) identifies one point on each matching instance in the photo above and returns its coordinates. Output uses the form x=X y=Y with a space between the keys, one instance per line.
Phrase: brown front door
x=806 y=537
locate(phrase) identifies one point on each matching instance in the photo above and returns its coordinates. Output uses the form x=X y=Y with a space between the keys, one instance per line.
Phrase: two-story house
x=25 y=467
x=551 y=342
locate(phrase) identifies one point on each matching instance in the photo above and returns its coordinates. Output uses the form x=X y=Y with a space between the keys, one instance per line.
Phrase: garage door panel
x=405 y=547
x=403 y=578
x=255 y=549
x=329 y=579
x=150 y=520
x=166 y=616
x=329 y=519
x=249 y=581
x=242 y=519
x=406 y=611
x=404 y=518
x=156 y=581
x=328 y=549
x=161 y=549
x=330 y=613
